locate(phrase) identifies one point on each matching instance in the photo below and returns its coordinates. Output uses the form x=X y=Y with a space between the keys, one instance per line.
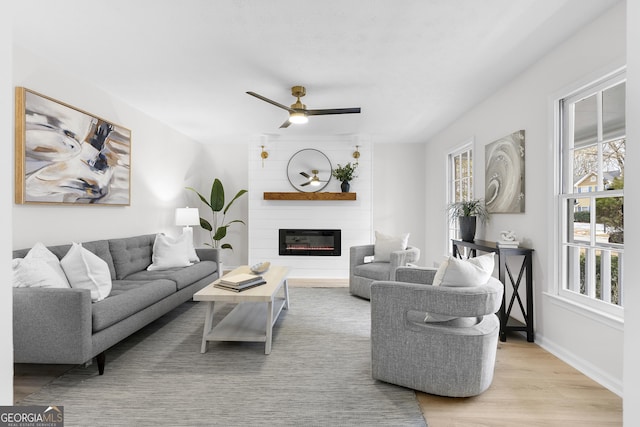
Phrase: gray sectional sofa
x=63 y=326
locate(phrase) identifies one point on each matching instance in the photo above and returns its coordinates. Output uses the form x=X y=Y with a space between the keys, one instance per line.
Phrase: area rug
x=318 y=374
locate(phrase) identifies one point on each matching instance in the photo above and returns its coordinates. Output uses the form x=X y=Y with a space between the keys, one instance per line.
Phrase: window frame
x=451 y=227
x=561 y=223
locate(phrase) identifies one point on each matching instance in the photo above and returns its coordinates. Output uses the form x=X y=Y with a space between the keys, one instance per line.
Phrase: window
x=592 y=138
x=459 y=183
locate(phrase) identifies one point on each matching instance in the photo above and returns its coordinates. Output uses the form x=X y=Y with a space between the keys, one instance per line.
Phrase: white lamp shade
x=187 y=216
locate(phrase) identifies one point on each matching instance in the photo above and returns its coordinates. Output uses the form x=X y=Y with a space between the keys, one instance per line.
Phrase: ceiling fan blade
x=306 y=175
x=327 y=111
x=286 y=124
x=277 y=104
x=305 y=183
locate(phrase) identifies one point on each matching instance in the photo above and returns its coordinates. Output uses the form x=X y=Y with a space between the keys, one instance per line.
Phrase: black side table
x=526 y=269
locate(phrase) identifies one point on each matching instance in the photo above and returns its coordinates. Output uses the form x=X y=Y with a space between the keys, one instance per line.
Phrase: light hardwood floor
x=531 y=387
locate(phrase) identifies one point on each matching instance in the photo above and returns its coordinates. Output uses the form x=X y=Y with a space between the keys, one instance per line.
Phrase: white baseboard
x=613 y=384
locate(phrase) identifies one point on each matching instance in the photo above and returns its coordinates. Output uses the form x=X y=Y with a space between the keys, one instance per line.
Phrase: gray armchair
x=362 y=274
x=453 y=358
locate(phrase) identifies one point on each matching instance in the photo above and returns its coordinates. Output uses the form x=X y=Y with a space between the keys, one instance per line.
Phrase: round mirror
x=309 y=170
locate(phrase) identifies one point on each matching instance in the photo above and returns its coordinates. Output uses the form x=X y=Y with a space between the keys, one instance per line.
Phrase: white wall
x=525 y=104
x=6 y=194
x=631 y=409
x=400 y=192
x=162 y=165
x=226 y=161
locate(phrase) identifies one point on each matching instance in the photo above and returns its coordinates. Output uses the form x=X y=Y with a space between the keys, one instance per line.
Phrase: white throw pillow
x=41 y=252
x=437 y=279
x=86 y=270
x=35 y=273
x=385 y=244
x=457 y=272
x=170 y=252
x=466 y=272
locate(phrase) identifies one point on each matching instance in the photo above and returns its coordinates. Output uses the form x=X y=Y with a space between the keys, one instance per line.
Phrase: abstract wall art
x=68 y=156
x=504 y=174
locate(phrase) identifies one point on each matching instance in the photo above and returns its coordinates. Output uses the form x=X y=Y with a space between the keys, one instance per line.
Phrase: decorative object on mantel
x=345 y=174
x=64 y=155
x=263 y=155
x=309 y=170
x=508 y=239
x=504 y=174
x=466 y=213
x=218 y=230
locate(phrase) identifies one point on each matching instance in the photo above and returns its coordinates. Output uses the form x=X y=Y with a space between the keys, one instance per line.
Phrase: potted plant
x=466 y=212
x=217 y=230
x=344 y=174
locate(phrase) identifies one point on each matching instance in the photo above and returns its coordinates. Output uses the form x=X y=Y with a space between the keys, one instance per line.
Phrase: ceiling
x=413 y=66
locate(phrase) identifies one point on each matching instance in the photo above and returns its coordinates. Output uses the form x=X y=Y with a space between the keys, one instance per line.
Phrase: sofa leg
x=101 y=359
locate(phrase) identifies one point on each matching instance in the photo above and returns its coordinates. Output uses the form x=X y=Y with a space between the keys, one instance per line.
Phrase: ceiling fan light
x=298 y=117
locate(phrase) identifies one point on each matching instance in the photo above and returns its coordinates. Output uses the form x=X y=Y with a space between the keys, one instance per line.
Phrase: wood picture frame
x=64 y=155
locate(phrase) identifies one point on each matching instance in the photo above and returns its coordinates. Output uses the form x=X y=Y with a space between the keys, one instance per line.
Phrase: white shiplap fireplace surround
x=266 y=217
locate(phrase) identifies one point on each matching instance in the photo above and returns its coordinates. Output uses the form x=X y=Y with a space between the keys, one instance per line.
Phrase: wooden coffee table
x=256 y=311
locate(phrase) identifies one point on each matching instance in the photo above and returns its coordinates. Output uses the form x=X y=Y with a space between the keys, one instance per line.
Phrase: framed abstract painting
x=68 y=156
x=504 y=174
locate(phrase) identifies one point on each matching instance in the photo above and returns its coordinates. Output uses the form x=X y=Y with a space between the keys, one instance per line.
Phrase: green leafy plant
x=346 y=172
x=610 y=212
x=218 y=227
x=474 y=207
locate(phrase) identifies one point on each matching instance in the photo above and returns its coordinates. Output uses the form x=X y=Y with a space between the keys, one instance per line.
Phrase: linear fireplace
x=309 y=242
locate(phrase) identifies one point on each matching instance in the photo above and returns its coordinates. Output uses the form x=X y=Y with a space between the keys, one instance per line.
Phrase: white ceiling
x=413 y=66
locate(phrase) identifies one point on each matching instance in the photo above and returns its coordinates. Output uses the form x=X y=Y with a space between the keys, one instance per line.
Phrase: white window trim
x=468 y=145
x=554 y=289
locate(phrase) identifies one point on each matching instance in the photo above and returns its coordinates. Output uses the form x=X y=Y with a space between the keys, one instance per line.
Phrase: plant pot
x=467 y=228
x=345 y=186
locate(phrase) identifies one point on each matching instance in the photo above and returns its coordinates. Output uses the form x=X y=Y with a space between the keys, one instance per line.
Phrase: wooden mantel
x=299 y=195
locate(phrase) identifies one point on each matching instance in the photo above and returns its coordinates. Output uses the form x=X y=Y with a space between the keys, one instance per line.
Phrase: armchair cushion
x=373 y=270
x=385 y=244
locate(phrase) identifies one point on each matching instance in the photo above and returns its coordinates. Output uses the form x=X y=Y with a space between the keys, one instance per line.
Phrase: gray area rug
x=318 y=374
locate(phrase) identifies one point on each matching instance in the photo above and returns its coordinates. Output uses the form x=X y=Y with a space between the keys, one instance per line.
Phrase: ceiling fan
x=311 y=180
x=298 y=112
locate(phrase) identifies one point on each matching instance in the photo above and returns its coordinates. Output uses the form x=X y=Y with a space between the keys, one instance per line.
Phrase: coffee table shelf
x=246 y=322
